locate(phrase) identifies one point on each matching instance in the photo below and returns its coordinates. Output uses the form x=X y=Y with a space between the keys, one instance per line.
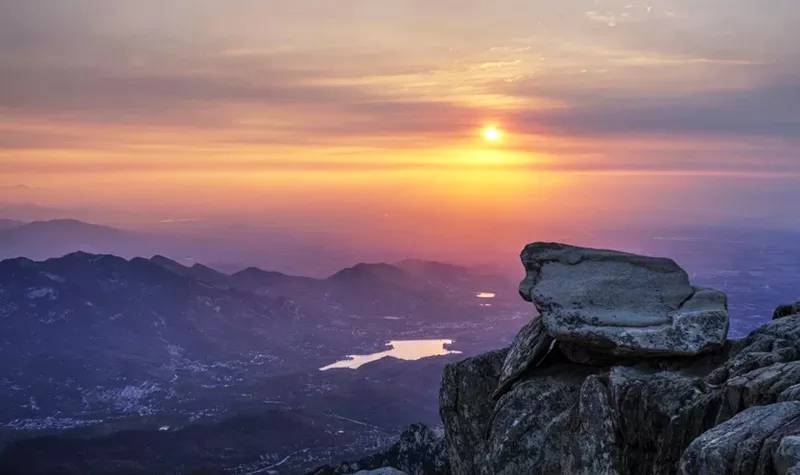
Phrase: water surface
x=401 y=349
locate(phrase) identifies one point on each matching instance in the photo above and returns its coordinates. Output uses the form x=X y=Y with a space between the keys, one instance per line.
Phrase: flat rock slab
x=621 y=304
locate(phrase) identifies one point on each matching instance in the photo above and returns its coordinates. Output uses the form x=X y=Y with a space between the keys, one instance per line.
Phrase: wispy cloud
x=153 y=78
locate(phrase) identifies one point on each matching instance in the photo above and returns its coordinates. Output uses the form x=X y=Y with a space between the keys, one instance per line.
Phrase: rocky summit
x=621 y=304
x=627 y=370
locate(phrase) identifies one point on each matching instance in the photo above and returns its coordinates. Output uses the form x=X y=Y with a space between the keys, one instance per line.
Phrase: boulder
x=591 y=448
x=528 y=349
x=786 y=310
x=466 y=410
x=787 y=455
x=621 y=304
x=792 y=393
x=746 y=444
x=651 y=416
x=775 y=342
x=569 y=418
x=528 y=421
x=626 y=371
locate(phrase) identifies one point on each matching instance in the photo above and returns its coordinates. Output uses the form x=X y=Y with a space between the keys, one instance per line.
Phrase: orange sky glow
x=363 y=125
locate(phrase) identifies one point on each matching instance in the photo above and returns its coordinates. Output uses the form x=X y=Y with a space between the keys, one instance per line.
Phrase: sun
x=492 y=134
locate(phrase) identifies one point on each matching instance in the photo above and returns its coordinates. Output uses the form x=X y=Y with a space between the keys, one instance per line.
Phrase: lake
x=401 y=349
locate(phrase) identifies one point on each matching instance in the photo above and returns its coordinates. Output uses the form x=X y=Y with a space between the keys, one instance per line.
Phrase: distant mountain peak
x=250 y=270
x=168 y=263
x=72 y=223
x=87 y=256
x=370 y=271
x=196 y=271
x=58 y=237
x=10 y=223
x=159 y=259
x=62 y=221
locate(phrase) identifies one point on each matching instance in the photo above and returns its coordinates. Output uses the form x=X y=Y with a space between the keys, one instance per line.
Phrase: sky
x=354 y=128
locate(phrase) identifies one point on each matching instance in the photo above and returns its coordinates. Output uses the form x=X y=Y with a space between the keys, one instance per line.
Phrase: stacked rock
x=601 y=305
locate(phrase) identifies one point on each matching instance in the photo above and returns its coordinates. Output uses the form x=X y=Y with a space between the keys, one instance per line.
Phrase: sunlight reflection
x=401 y=349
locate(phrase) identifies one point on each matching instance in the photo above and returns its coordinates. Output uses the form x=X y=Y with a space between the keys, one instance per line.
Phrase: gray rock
x=592 y=445
x=792 y=393
x=588 y=356
x=570 y=418
x=642 y=382
x=761 y=386
x=621 y=304
x=775 y=342
x=528 y=349
x=466 y=407
x=576 y=419
x=786 y=310
x=381 y=471
x=787 y=455
x=658 y=413
x=527 y=422
x=745 y=444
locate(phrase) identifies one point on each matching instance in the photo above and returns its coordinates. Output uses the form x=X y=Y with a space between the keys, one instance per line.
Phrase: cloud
x=768 y=110
x=136 y=77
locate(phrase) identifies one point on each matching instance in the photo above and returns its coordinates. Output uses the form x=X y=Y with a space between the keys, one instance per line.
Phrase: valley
x=211 y=371
x=117 y=350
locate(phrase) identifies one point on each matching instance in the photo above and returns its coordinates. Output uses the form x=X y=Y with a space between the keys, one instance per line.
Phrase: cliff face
x=731 y=412
x=585 y=389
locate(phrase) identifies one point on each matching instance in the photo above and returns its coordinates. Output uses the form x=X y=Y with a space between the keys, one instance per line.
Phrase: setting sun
x=492 y=134
x=286 y=237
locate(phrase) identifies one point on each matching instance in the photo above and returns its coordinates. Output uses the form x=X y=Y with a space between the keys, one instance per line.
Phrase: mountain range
x=54 y=238
x=102 y=353
x=96 y=343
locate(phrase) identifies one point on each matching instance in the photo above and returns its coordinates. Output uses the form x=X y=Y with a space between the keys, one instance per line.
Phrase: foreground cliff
x=627 y=370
